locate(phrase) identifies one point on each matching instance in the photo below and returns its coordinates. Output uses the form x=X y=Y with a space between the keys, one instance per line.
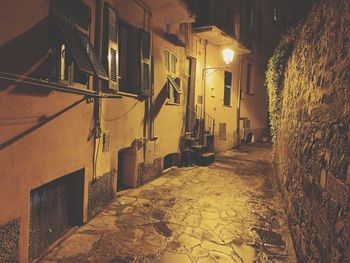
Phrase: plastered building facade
x=100 y=95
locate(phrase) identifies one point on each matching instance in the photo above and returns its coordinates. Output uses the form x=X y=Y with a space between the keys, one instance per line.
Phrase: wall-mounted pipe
x=55 y=86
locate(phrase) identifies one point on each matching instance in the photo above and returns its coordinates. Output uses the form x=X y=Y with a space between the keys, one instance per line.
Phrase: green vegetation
x=275 y=81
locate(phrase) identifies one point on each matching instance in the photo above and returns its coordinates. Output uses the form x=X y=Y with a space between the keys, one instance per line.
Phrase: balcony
x=219 y=23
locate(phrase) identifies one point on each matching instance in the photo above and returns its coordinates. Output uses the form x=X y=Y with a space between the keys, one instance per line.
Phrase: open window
x=73 y=56
x=127 y=55
x=173 y=81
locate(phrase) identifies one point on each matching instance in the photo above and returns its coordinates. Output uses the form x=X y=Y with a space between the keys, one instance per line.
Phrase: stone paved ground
x=227 y=212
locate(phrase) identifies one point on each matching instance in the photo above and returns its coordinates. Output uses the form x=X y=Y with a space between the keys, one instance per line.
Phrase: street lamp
x=228 y=55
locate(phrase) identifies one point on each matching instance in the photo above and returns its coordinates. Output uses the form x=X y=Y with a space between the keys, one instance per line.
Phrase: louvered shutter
x=145 y=49
x=72 y=41
x=113 y=58
x=94 y=60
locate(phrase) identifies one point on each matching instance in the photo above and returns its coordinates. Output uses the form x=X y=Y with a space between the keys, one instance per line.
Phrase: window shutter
x=94 y=60
x=145 y=49
x=78 y=51
x=113 y=57
x=134 y=65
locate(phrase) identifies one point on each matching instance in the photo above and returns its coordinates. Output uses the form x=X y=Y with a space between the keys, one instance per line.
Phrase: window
x=170 y=62
x=174 y=91
x=110 y=32
x=129 y=59
x=145 y=62
x=73 y=56
x=227 y=88
x=173 y=82
x=249 y=79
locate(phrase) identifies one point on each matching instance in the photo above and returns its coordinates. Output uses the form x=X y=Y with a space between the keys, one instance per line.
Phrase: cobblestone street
x=226 y=212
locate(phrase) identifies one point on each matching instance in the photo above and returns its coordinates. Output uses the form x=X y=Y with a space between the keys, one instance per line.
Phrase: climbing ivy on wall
x=274 y=81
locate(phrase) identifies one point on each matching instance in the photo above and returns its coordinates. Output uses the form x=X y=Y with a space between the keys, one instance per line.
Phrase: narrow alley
x=226 y=212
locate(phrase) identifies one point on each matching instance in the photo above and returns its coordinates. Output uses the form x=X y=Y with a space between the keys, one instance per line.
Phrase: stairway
x=199 y=139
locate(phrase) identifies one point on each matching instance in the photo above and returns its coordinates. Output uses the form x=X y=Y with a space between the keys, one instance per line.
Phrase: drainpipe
x=239 y=91
x=204 y=87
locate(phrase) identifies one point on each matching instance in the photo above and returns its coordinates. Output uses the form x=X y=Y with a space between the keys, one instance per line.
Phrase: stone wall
x=9 y=241
x=149 y=172
x=312 y=150
x=101 y=193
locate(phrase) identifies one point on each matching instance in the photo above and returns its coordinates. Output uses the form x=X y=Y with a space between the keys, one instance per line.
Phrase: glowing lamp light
x=228 y=55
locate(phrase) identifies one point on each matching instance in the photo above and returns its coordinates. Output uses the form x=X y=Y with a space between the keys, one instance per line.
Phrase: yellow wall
x=37 y=150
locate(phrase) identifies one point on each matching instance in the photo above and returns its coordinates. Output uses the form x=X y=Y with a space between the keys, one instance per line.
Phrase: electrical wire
x=124 y=114
x=54 y=86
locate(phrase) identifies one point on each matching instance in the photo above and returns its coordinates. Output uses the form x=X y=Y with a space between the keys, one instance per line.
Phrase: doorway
x=190 y=100
x=127 y=169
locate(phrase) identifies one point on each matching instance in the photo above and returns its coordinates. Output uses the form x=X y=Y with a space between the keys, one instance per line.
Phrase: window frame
x=77 y=45
x=72 y=67
x=173 y=82
x=229 y=98
x=145 y=60
x=249 y=78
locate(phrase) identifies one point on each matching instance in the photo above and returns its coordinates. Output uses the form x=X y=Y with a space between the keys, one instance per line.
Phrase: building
x=99 y=95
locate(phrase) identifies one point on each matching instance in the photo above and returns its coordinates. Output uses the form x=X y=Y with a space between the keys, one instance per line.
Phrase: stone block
x=318 y=135
x=323 y=178
x=328 y=158
x=9 y=241
x=322 y=230
x=316 y=170
x=338 y=189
